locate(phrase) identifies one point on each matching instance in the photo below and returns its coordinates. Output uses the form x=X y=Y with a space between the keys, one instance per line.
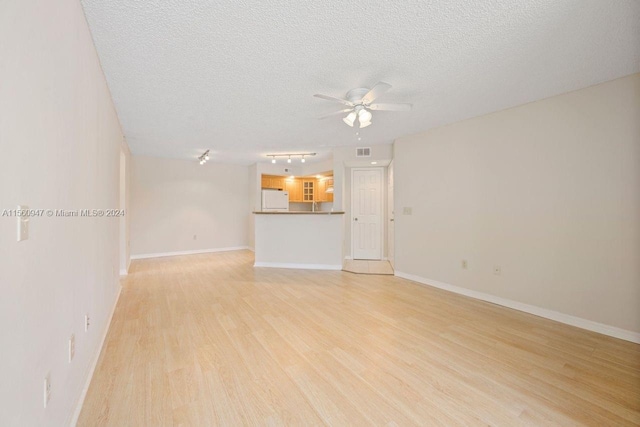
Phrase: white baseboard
x=123 y=272
x=579 y=322
x=298 y=266
x=199 y=251
x=94 y=364
x=348 y=257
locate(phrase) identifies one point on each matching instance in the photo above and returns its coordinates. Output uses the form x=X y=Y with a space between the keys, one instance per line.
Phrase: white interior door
x=391 y=217
x=366 y=212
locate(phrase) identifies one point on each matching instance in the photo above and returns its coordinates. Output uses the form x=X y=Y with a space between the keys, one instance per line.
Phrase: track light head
x=204 y=157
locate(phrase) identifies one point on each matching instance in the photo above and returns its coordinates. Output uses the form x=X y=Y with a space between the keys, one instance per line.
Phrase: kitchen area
x=296 y=226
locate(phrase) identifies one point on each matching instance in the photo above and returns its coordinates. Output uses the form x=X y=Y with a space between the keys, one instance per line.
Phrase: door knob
x=391 y=219
x=355 y=219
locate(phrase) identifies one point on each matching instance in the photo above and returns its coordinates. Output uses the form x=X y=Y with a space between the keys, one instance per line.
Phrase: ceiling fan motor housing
x=356 y=95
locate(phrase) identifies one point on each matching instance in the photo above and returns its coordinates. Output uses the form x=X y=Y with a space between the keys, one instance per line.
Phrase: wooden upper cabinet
x=294 y=187
x=321 y=193
x=300 y=189
x=308 y=190
x=277 y=182
x=328 y=196
x=272 y=182
x=322 y=187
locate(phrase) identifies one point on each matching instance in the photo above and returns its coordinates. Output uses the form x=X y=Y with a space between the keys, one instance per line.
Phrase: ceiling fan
x=360 y=101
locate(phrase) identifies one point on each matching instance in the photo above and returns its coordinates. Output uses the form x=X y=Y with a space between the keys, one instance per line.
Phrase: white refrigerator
x=275 y=201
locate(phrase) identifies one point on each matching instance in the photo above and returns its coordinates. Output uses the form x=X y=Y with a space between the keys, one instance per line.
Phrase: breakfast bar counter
x=300 y=213
x=295 y=239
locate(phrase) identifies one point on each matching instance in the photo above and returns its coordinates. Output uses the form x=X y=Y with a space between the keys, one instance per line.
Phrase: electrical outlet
x=497 y=270
x=72 y=347
x=195 y=237
x=87 y=322
x=464 y=264
x=47 y=389
x=407 y=211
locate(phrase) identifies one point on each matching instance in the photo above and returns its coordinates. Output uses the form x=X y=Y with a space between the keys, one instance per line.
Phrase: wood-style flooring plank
x=210 y=340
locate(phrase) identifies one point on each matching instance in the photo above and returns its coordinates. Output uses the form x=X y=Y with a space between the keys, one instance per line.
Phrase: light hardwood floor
x=209 y=340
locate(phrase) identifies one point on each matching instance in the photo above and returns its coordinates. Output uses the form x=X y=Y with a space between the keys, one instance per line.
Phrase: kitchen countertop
x=300 y=213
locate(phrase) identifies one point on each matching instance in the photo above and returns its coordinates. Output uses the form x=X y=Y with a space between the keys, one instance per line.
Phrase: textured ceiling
x=238 y=76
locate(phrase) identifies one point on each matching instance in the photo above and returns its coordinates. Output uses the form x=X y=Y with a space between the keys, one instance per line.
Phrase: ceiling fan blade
x=331 y=98
x=378 y=89
x=335 y=113
x=390 y=107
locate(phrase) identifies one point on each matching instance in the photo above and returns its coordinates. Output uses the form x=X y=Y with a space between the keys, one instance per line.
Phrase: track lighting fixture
x=204 y=157
x=289 y=156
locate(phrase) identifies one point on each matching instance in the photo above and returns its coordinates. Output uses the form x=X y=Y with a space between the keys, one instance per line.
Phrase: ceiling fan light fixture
x=350 y=119
x=360 y=101
x=364 y=115
x=364 y=124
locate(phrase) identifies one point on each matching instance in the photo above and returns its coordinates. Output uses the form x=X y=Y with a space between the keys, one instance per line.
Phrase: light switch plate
x=407 y=211
x=47 y=390
x=72 y=347
x=23 y=223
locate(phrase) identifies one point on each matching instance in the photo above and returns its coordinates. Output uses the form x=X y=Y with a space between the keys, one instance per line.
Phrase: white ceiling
x=237 y=76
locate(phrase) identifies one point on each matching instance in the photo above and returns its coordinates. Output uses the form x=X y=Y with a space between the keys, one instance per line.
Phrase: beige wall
x=173 y=200
x=548 y=191
x=60 y=141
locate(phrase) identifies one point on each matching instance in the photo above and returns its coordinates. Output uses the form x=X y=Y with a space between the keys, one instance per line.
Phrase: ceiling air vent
x=363 y=152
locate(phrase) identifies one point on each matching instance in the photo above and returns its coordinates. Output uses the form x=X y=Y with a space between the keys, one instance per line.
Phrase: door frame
x=123 y=260
x=391 y=214
x=383 y=216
